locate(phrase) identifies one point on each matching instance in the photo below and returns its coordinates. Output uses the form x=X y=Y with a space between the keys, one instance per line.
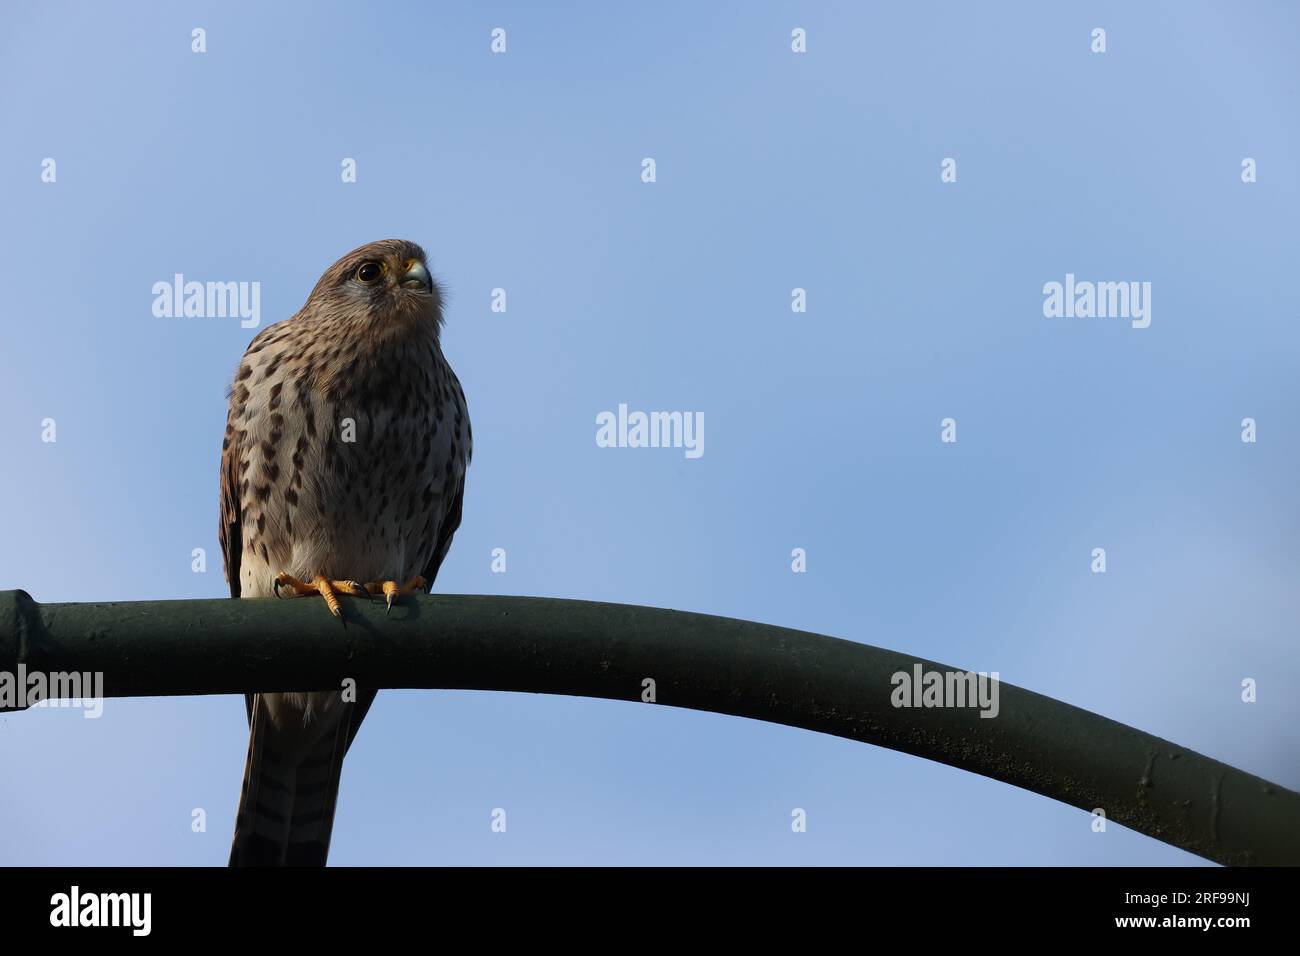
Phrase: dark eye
x=369 y=272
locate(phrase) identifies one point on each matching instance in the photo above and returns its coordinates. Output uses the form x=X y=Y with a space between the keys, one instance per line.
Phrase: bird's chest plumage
x=347 y=477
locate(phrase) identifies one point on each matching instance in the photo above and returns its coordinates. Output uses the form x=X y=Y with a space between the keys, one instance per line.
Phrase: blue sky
x=774 y=170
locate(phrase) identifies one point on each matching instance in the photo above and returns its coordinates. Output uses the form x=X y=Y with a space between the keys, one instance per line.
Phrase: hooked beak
x=417 y=276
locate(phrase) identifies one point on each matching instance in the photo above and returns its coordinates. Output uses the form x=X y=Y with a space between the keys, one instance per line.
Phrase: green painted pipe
x=581 y=648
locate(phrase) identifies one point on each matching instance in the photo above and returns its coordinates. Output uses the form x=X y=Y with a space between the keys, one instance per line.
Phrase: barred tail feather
x=291 y=782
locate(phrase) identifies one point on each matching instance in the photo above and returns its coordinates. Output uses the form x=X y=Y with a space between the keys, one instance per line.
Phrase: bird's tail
x=291 y=779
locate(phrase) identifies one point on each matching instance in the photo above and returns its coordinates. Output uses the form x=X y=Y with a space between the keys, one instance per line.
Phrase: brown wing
x=450 y=522
x=228 y=527
x=229 y=531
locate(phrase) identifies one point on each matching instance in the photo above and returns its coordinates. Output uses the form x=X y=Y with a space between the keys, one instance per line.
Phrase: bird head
x=382 y=282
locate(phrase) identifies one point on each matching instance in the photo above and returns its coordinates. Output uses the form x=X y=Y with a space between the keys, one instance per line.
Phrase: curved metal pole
x=581 y=648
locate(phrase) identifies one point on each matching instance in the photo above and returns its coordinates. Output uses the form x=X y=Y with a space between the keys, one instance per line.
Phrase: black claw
x=370 y=595
x=275 y=586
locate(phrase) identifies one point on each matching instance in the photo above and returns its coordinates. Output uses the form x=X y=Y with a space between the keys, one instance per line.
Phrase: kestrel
x=344 y=462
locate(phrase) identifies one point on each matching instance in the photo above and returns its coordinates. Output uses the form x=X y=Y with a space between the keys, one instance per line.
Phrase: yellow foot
x=391 y=591
x=318 y=585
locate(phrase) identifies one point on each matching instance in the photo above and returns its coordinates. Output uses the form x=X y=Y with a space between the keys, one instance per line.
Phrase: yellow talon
x=391 y=591
x=321 y=585
x=326 y=590
x=284 y=580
